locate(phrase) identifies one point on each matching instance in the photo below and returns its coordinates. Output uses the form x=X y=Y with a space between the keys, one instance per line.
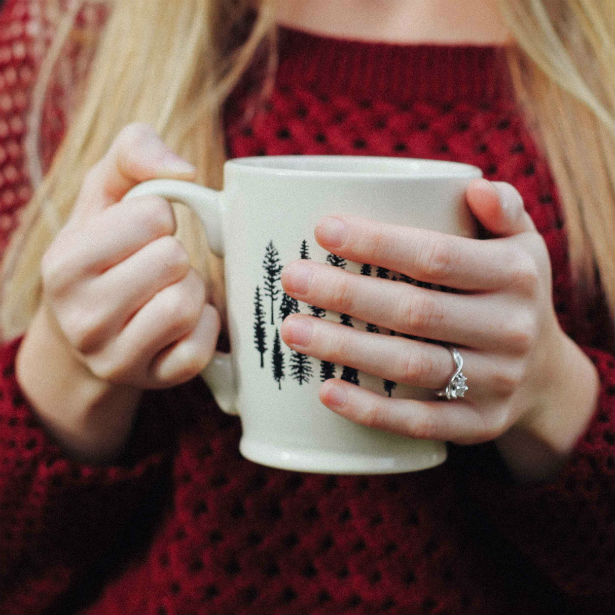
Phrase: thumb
x=136 y=154
x=498 y=206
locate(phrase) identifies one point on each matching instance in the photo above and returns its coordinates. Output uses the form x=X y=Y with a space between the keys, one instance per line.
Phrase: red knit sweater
x=182 y=524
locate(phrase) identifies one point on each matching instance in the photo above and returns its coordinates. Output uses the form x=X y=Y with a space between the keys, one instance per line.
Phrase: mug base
x=427 y=455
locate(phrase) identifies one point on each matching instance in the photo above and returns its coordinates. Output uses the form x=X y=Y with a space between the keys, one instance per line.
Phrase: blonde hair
x=173 y=65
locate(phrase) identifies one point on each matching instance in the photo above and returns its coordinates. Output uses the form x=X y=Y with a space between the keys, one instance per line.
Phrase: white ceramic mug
x=264 y=218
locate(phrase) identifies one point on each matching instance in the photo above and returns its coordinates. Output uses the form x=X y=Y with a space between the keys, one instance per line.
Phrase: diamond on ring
x=456 y=387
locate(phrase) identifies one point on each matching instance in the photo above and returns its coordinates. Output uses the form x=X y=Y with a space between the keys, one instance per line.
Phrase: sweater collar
x=395 y=72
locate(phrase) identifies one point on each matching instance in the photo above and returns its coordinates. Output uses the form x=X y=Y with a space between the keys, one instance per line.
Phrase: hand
x=516 y=357
x=122 y=310
x=117 y=282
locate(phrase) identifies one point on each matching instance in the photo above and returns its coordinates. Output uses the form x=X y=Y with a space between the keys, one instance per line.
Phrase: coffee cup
x=264 y=218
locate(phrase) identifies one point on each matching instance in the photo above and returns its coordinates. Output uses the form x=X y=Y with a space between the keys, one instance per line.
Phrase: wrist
x=537 y=446
x=89 y=417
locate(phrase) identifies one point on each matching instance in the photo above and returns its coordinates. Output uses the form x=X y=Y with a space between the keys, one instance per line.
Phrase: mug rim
x=333 y=165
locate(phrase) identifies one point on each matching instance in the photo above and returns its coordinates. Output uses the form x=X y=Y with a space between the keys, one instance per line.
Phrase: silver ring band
x=456 y=387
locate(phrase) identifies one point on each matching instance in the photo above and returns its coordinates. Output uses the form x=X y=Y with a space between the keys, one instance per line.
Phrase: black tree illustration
x=389 y=385
x=277 y=360
x=349 y=374
x=346 y=320
x=367 y=270
x=288 y=305
x=317 y=311
x=304 y=251
x=272 y=267
x=407 y=279
x=300 y=367
x=336 y=261
x=259 y=326
x=327 y=370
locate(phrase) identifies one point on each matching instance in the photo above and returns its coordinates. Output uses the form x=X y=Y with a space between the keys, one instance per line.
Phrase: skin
x=123 y=311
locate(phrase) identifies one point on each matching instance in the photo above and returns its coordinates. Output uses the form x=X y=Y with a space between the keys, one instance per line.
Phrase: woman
x=95 y=454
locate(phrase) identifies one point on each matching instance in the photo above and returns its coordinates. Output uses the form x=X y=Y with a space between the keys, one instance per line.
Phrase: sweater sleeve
x=564 y=527
x=58 y=518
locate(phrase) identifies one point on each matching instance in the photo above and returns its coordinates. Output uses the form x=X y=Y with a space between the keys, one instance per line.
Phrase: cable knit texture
x=182 y=524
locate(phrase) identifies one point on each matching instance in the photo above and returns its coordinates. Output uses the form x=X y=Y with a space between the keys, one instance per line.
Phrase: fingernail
x=334 y=396
x=296 y=278
x=173 y=164
x=298 y=332
x=331 y=232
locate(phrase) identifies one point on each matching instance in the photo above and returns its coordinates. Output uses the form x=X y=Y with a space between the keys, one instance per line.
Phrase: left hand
x=501 y=320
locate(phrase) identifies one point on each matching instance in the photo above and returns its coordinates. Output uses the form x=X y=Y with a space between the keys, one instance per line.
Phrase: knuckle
x=495 y=424
x=189 y=360
x=522 y=331
x=375 y=414
x=524 y=274
x=415 y=370
x=376 y=245
x=423 y=426
x=419 y=313
x=92 y=176
x=506 y=380
x=156 y=214
x=52 y=267
x=439 y=256
x=82 y=327
x=172 y=253
x=342 y=294
x=133 y=134
x=183 y=308
x=111 y=368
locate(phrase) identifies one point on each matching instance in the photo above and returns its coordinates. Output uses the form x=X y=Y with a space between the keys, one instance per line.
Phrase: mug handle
x=219 y=374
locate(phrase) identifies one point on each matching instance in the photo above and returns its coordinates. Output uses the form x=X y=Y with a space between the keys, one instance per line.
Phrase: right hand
x=116 y=281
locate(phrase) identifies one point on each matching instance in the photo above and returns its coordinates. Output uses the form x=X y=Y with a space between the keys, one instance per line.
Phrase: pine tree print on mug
x=272 y=305
x=260 y=333
x=272 y=267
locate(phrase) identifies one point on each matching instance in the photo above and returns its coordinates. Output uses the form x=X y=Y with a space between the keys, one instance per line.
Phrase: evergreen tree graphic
x=259 y=326
x=304 y=251
x=317 y=311
x=349 y=374
x=288 y=305
x=389 y=385
x=277 y=360
x=336 y=261
x=327 y=370
x=367 y=270
x=300 y=367
x=407 y=279
x=272 y=267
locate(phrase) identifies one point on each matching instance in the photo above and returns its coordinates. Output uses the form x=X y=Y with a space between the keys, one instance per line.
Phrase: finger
x=137 y=154
x=498 y=207
x=187 y=357
x=456 y=421
x=168 y=317
x=116 y=295
x=411 y=362
x=425 y=255
x=104 y=240
x=476 y=321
